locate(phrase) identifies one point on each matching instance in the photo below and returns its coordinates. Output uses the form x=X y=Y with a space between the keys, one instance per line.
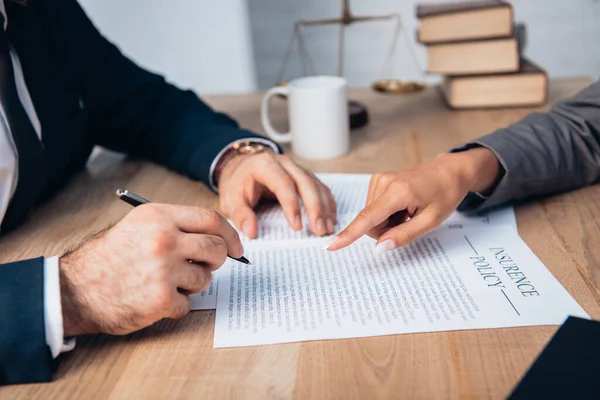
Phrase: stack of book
x=473 y=44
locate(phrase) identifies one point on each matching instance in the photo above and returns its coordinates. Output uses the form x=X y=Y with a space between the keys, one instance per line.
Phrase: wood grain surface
x=175 y=359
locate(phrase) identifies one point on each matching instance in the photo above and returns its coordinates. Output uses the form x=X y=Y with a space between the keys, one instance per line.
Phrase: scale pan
x=398 y=86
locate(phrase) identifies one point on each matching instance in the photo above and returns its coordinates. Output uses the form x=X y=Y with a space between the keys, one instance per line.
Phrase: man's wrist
x=74 y=323
x=234 y=150
x=230 y=154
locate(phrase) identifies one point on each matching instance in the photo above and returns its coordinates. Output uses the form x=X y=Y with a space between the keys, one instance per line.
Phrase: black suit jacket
x=87 y=93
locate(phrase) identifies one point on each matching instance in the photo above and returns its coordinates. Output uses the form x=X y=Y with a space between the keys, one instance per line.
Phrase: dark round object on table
x=359 y=115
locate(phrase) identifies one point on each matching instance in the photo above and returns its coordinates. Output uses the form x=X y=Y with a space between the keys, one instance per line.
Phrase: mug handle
x=265 y=117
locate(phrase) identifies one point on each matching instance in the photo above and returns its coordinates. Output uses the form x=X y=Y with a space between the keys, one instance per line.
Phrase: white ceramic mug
x=318 y=113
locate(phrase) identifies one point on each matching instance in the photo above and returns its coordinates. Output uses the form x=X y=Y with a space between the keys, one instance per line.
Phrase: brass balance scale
x=387 y=84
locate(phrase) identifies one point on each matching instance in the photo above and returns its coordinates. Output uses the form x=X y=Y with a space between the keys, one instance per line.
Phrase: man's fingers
x=332 y=206
x=311 y=193
x=245 y=219
x=182 y=305
x=238 y=206
x=204 y=221
x=370 y=217
x=405 y=233
x=210 y=250
x=277 y=180
x=192 y=278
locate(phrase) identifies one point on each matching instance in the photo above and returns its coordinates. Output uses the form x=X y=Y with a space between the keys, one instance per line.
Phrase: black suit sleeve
x=134 y=111
x=24 y=355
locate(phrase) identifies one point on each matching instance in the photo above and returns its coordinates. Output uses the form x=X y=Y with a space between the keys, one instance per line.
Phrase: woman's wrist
x=484 y=167
x=477 y=168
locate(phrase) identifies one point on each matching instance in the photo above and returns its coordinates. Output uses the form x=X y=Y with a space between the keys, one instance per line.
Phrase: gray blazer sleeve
x=545 y=153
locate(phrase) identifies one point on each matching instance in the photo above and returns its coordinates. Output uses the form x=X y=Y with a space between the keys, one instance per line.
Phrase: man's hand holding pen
x=144 y=268
x=139 y=271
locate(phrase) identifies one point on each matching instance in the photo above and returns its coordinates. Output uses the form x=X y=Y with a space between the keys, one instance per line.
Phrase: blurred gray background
x=231 y=46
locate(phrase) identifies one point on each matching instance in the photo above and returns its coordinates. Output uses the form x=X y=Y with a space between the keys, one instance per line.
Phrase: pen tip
x=244 y=260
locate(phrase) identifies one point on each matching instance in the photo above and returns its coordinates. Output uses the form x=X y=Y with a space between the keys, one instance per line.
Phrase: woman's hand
x=403 y=205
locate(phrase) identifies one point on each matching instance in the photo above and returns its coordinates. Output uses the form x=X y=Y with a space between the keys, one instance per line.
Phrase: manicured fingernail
x=330 y=225
x=330 y=242
x=246 y=228
x=297 y=222
x=385 y=246
x=320 y=226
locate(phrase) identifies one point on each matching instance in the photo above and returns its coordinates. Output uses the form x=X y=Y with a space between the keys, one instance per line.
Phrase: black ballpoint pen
x=136 y=200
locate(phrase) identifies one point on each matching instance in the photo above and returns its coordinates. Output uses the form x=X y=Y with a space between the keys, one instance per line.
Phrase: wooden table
x=176 y=359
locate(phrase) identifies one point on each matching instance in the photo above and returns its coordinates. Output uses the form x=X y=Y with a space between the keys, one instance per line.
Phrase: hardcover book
x=468 y=20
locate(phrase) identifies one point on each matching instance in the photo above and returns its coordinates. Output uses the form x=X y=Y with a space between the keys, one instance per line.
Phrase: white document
x=206 y=300
x=472 y=278
x=350 y=192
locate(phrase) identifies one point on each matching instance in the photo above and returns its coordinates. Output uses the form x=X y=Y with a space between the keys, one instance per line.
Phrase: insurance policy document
x=350 y=192
x=452 y=279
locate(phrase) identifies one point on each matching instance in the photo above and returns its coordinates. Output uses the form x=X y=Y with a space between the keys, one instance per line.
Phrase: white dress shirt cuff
x=213 y=166
x=53 y=319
